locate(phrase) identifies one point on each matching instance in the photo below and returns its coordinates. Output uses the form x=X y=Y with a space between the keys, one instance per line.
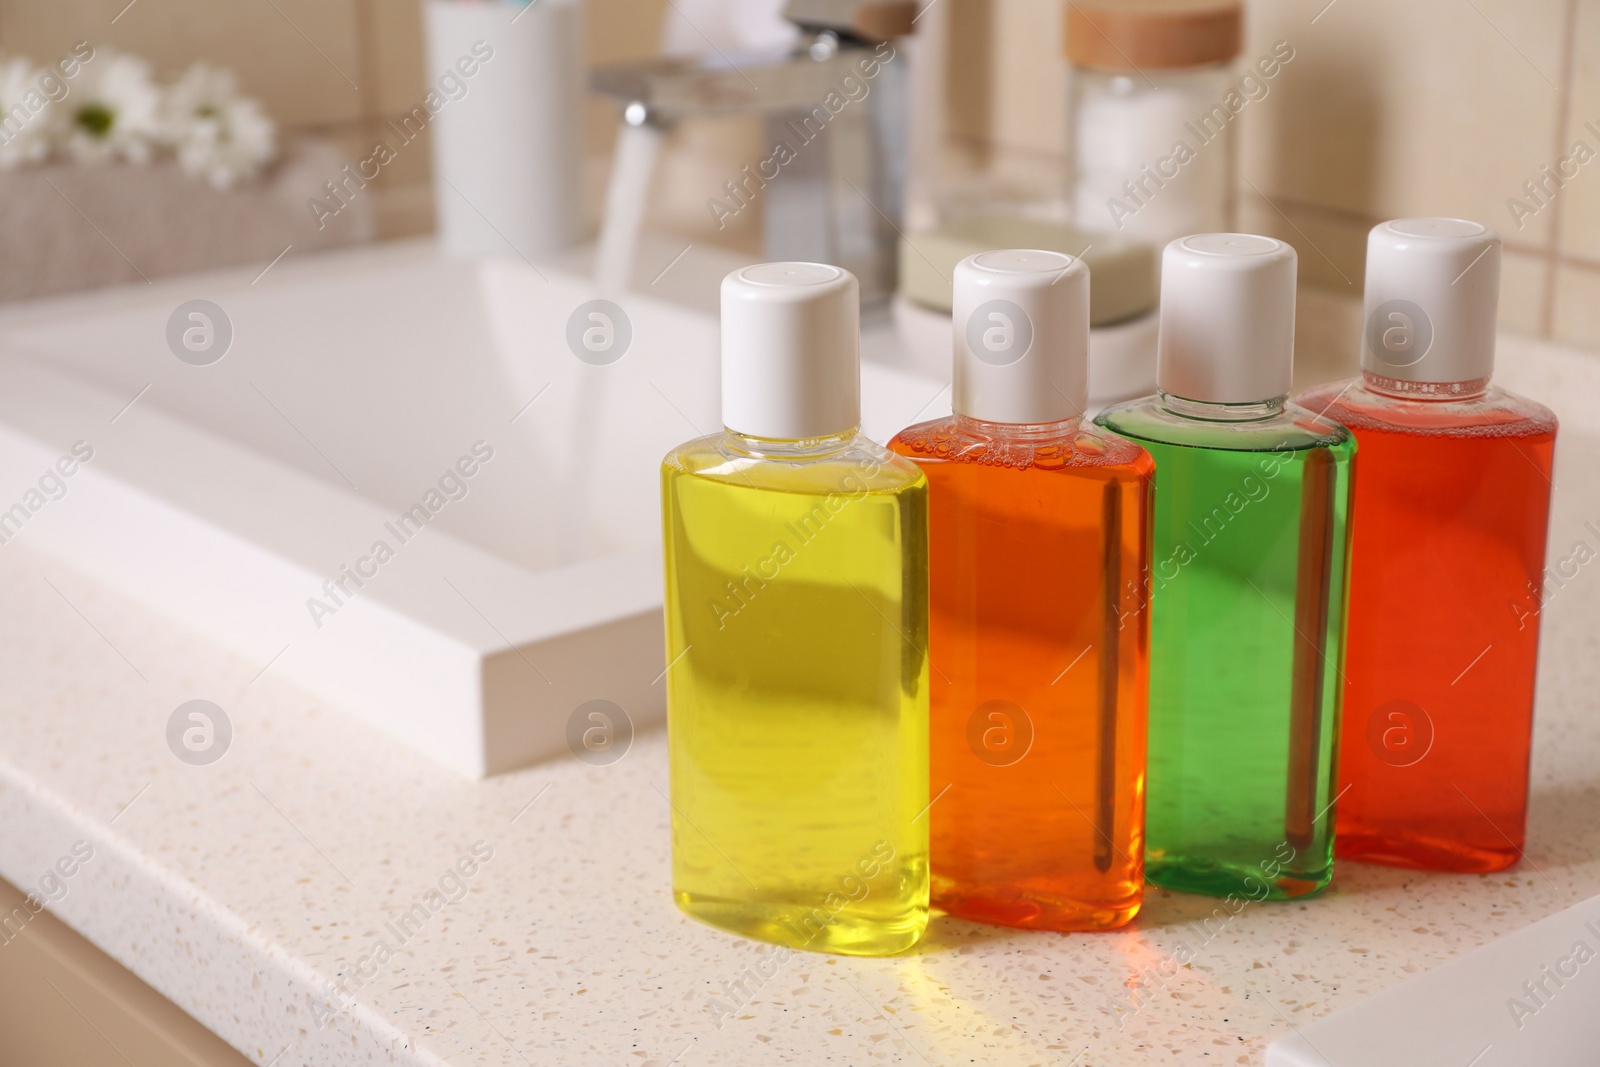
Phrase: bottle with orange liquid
x=1038 y=637
x=1451 y=508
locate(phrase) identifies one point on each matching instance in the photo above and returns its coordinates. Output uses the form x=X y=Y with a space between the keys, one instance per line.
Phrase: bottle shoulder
x=1495 y=412
x=1294 y=428
x=855 y=465
x=961 y=441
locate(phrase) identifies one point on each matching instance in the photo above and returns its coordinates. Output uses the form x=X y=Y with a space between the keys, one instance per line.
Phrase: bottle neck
x=1207 y=411
x=782 y=448
x=1404 y=390
x=1020 y=431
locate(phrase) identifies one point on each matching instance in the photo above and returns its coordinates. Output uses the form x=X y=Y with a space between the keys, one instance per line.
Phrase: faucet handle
x=864 y=20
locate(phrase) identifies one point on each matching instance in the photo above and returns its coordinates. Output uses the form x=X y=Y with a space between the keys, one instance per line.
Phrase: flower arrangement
x=98 y=105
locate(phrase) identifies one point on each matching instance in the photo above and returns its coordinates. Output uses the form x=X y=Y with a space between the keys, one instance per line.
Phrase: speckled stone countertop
x=527 y=919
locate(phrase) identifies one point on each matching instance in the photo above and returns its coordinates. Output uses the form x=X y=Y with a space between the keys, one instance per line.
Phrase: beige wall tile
x=1393 y=109
x=1332 y=246
x=1327 y=337
x=620 y=30
x=392 y=54
x=411 y=164
x=1524 y=281
x=1580 y=199
x=303 y=63
x=970 y=90
x=1577 y=317
x=406 y=211
x=1029 y=97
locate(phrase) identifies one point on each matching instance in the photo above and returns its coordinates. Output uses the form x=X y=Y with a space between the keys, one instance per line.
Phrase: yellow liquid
x=797 y=692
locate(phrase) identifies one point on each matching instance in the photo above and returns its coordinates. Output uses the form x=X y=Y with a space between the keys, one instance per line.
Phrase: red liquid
x=1451 y=507
x=1038 y=639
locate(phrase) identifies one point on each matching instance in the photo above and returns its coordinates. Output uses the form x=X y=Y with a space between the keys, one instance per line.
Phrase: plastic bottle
x=1038 y=629
x=1447 y=560
x=796 y=625
x=1247 y=587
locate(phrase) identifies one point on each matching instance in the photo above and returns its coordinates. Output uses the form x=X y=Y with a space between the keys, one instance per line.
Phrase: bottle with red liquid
x=1451 y=505
x=1038 y=639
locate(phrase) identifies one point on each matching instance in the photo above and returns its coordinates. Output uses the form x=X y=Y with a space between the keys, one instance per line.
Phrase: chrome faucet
x=831 y=181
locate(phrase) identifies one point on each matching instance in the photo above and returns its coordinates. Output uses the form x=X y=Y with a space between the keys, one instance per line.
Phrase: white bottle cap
x=1021 y=332
x=791 y=351
x=1432 y=290
x=1227 y=318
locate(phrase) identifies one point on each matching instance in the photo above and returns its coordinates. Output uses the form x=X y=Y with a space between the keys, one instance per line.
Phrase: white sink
x=228 y=494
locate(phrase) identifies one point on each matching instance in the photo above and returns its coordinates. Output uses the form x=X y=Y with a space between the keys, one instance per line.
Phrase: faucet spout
x=834 y=111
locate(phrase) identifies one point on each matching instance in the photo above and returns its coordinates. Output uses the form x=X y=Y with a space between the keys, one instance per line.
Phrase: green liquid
x=1247 y=598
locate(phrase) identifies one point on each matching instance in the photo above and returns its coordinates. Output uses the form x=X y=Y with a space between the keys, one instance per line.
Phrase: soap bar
x=1528 y=998
x=1122 y=272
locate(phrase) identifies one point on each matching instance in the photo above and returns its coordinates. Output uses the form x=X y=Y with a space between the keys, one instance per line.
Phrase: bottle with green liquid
x=1247 y=582
x=797 y=629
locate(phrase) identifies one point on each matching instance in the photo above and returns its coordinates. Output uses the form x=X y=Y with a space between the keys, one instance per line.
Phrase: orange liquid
x=1038 y=644
x=1451 y=506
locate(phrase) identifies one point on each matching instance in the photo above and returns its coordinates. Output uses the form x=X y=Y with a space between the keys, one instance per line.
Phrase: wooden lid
x=870 y=20
x=1152 y=34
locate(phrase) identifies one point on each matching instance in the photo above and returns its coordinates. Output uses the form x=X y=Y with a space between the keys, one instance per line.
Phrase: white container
x=1124 y=131
x=508 y=136
x=1151 y=138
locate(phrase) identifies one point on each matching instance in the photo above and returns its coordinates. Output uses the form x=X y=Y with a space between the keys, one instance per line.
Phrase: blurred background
x=1428 y=107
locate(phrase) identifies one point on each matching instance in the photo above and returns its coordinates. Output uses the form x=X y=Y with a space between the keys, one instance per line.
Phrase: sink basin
x=399 y=486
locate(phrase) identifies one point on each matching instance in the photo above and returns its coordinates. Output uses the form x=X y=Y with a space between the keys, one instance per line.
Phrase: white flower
x=29 y=118
x=114 y=110
x=218 y=134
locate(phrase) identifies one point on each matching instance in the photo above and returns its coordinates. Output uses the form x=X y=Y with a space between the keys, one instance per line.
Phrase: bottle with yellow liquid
x=796 y=624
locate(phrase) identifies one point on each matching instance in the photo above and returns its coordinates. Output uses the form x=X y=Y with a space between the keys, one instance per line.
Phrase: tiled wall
x=1389 y=108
